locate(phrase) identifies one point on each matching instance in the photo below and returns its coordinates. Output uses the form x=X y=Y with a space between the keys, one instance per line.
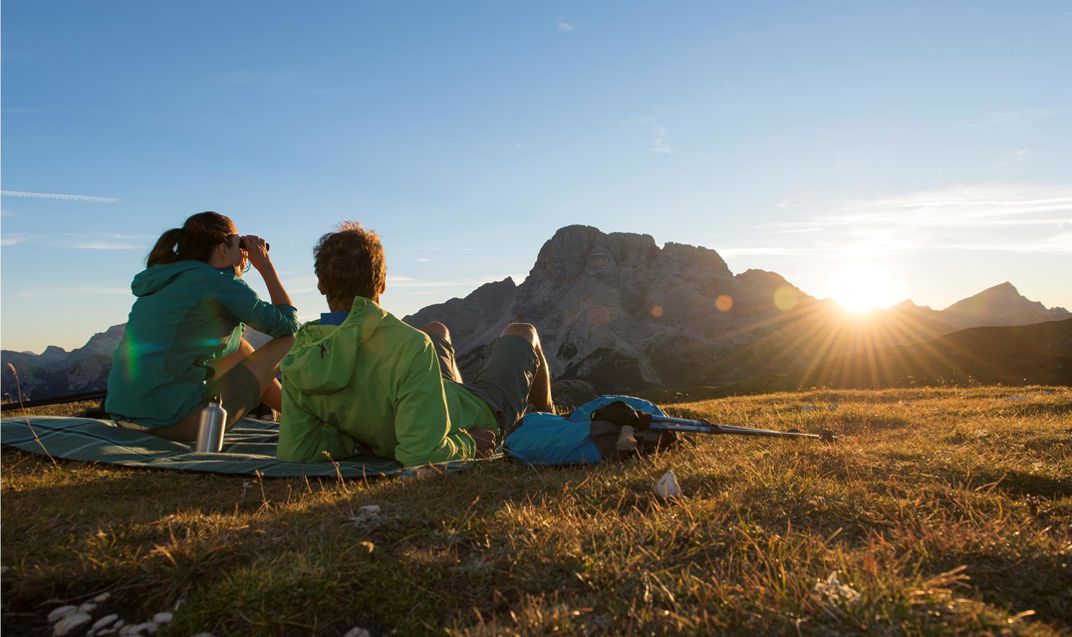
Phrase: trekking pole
x=622 y=414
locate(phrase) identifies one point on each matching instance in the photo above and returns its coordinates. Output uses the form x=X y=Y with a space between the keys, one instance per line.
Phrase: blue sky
x=928 y=141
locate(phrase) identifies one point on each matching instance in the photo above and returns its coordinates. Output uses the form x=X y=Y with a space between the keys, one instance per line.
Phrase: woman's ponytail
x=166 y=249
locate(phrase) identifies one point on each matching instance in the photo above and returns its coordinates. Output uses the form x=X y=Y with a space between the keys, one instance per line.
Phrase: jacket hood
x=157 y=276
x=323 y=357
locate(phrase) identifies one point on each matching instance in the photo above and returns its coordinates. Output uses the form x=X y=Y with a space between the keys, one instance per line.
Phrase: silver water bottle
x=210 y=430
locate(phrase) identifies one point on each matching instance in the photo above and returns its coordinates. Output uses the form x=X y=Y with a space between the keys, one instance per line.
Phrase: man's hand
x=256 y=250
x=485 y=441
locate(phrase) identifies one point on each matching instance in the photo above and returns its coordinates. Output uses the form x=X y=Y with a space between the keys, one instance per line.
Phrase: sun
x=861 y=288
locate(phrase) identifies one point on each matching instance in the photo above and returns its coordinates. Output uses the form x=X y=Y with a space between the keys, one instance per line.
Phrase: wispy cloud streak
x=660 y=145
x=57 y=196
x=959 y=218
x=566 y=27
x=100 y=241
x=1024 y=116
x=13 y=239
x=81 y=290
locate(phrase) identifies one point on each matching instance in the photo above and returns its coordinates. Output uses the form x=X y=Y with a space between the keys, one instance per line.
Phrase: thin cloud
x=253 y=77
x=410 y=283
x=796 y=230
x=566 y=27
x=501 y=145
x=99 y=245
x=445 y=249
x=762 y=251
x=1015 y=157
x=950 y=219
x=14 y=238
x=57 y=196
x=660 y=145
x=1024 y=116
x=1057 y=244
x=423 y=260
x=101 y=241
x=81 y=290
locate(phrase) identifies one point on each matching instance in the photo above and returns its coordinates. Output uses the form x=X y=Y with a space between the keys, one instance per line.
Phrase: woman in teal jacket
x=183 y=341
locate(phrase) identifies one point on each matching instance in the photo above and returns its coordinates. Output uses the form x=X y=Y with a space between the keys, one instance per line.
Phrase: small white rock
x=833 y=591
x=103 y=622
x=163 y=618
x=103 y=597
x=367 y=516
x=60 y=612
x=667 y=487
x=357 y=631
x=69 y=623
x=144 y=628
x=88 y=607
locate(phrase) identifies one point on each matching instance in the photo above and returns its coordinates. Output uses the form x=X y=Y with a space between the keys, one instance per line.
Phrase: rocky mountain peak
x=577 y=251
x=104 y=342
x=1001 y=304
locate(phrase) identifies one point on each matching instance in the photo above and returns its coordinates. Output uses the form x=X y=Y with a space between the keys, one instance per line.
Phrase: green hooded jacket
x=373 y=380
x=187 y=315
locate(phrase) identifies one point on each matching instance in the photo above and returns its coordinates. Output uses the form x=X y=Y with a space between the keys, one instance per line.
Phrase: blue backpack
x=547 y=439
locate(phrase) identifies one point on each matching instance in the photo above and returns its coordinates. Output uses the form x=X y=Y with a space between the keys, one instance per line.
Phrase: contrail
x=55 y=195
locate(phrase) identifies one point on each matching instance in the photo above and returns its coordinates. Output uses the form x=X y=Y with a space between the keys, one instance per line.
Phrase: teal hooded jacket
x=374 y=381
x=187 y=315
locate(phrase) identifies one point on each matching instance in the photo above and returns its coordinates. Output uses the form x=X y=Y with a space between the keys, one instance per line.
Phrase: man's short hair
x=349 y=262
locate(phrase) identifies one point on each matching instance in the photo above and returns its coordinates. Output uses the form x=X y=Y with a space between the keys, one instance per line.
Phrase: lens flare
x=785 y=298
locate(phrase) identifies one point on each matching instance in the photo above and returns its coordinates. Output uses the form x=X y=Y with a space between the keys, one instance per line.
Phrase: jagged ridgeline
x=618 y=313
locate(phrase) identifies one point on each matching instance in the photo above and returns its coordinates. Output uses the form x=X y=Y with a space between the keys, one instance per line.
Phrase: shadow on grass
x=1017 y=583
x=247 y=564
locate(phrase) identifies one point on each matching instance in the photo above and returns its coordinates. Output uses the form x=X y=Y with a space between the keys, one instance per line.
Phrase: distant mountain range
x=618 y=313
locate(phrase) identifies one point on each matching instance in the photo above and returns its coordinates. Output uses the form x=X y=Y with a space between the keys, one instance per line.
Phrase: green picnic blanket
x=248 y=449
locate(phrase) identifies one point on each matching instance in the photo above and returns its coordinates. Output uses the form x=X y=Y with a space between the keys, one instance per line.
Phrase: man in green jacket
x=360 y=380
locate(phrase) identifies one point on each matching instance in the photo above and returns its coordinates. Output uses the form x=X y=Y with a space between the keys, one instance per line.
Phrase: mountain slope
x=1000 y=305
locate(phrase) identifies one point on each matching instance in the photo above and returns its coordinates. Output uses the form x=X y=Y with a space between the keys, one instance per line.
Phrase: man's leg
x=440 y=334
x=540 y=392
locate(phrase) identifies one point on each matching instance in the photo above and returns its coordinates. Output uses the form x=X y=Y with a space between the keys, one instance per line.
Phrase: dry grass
x=949 y=511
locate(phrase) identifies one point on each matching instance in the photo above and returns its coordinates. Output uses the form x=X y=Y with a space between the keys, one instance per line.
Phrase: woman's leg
x=264 y=364
x=227 y=363
x=261 y=364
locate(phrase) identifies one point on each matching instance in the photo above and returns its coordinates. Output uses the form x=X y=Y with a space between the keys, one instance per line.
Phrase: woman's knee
x=264 y=361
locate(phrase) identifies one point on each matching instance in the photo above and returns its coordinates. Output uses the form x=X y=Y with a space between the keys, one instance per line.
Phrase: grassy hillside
x=940 y=511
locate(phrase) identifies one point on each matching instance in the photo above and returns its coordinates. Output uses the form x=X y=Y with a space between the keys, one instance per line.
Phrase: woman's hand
x=256 y=250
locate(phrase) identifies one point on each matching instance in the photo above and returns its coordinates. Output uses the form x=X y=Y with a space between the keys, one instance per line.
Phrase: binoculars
x=242 y=244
